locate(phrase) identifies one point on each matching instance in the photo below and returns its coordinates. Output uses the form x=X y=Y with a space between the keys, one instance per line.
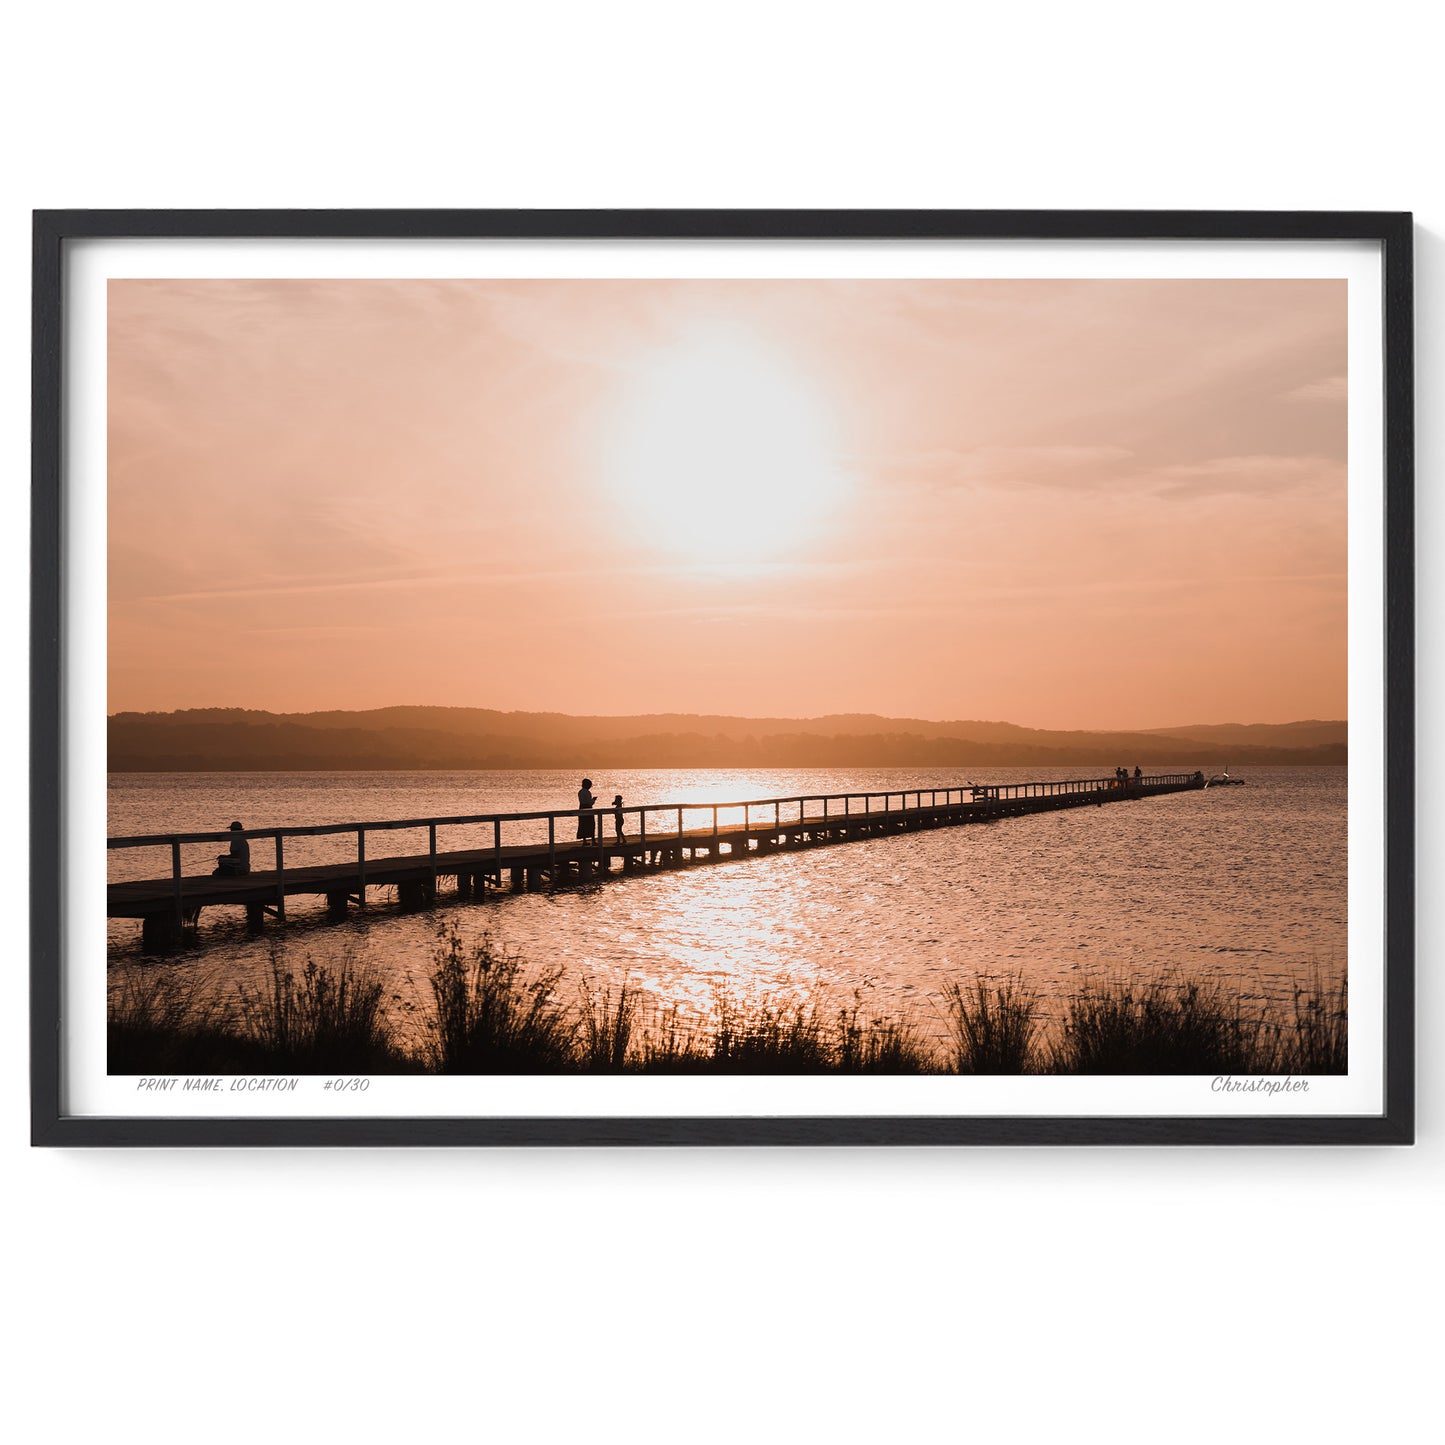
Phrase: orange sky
x=1056 y=503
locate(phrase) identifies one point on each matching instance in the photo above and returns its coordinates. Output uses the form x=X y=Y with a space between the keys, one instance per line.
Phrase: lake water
x=1245 y=885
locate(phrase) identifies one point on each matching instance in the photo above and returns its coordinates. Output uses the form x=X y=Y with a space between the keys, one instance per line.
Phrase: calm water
x=1246 y=885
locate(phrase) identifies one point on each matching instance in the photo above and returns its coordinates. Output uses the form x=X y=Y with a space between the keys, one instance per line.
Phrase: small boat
x=1223 y=780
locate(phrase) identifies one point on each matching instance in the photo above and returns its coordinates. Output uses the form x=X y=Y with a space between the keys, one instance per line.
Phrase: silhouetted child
x=617 y=815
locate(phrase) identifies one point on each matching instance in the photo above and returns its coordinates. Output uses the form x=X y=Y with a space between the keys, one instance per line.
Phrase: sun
x=721 y=450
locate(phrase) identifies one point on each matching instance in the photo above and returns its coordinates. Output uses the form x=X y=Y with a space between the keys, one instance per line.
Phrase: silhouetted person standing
x=587 y=820
x=238 y=861
x=617 y=815
x=1138 y=773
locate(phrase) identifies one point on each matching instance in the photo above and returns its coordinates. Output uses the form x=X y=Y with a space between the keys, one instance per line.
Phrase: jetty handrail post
x=714 y=832
x=642 y=827
x=497 y=846
x=679 y=835
x=280 y=878
x=361 y=867
x=552 y=850
x=777 y=818
x=176 y=877
x=432 y=858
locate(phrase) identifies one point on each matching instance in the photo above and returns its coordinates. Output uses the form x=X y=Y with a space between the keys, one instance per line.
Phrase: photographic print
x=803 y=692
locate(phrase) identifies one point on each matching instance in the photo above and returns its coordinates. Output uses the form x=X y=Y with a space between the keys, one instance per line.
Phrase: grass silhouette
x=492 y=1014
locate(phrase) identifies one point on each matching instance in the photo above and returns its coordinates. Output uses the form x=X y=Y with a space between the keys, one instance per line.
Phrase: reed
x=1164 y=1027
x=872 y=1045
x=490 y=1014
x=328 y=1018
x=666 y=1044
x=493 y=1019
x=1319 y=1040
x=607 y=1027
x=992 y=1028
x=169 y=1021
x=777 y=1035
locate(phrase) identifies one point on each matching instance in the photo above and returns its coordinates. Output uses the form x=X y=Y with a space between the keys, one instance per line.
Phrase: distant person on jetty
x=238 y=860
x=617 y=815
x=587 y=819
x=1138 y=773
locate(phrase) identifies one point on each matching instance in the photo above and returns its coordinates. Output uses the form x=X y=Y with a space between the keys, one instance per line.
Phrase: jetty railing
x=789 y=810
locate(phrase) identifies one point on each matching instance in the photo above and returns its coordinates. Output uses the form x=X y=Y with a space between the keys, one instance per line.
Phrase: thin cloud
x=1327 y=388
x=1247 y=475
x=1063 y=466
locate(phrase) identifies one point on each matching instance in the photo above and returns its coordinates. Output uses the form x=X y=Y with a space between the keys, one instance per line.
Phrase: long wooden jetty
x=653 y=836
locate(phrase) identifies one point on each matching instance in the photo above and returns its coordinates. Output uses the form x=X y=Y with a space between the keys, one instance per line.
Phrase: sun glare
x=721 y=451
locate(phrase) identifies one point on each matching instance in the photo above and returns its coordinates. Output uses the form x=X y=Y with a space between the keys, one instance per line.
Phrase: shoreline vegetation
x=488 y=1012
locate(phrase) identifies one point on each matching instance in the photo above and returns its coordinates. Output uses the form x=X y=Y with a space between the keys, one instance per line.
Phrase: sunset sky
x=1056 y=503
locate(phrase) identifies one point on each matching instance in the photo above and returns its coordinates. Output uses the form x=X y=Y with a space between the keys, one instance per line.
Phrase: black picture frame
x=54 y=230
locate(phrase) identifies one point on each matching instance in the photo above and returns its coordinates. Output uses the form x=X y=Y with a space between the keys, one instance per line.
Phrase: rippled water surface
x=1244 y=884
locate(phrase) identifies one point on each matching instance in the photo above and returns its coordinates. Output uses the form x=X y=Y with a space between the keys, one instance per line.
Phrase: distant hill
x=1288 y=735
x=238 y=740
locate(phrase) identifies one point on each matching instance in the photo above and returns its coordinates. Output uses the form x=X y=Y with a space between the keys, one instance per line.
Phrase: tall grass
x=1318 y=1043
x=992 y=1029
x=873 y=1045
x=774 y=1036
x=327 y=1018
x=168 y=1021
x=1158 y=1028
x=778 y=1035
x=492 y=1019
x=668 y=1043
x=491 y=1015
x=607 y=1026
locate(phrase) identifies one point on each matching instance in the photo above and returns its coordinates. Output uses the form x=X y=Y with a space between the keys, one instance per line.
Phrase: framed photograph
x=722 y=678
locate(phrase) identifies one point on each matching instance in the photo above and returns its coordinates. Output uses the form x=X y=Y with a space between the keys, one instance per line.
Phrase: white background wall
x=1149 y=1295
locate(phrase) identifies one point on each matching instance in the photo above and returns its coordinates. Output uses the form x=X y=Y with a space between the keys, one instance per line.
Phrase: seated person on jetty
x=238 y=860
